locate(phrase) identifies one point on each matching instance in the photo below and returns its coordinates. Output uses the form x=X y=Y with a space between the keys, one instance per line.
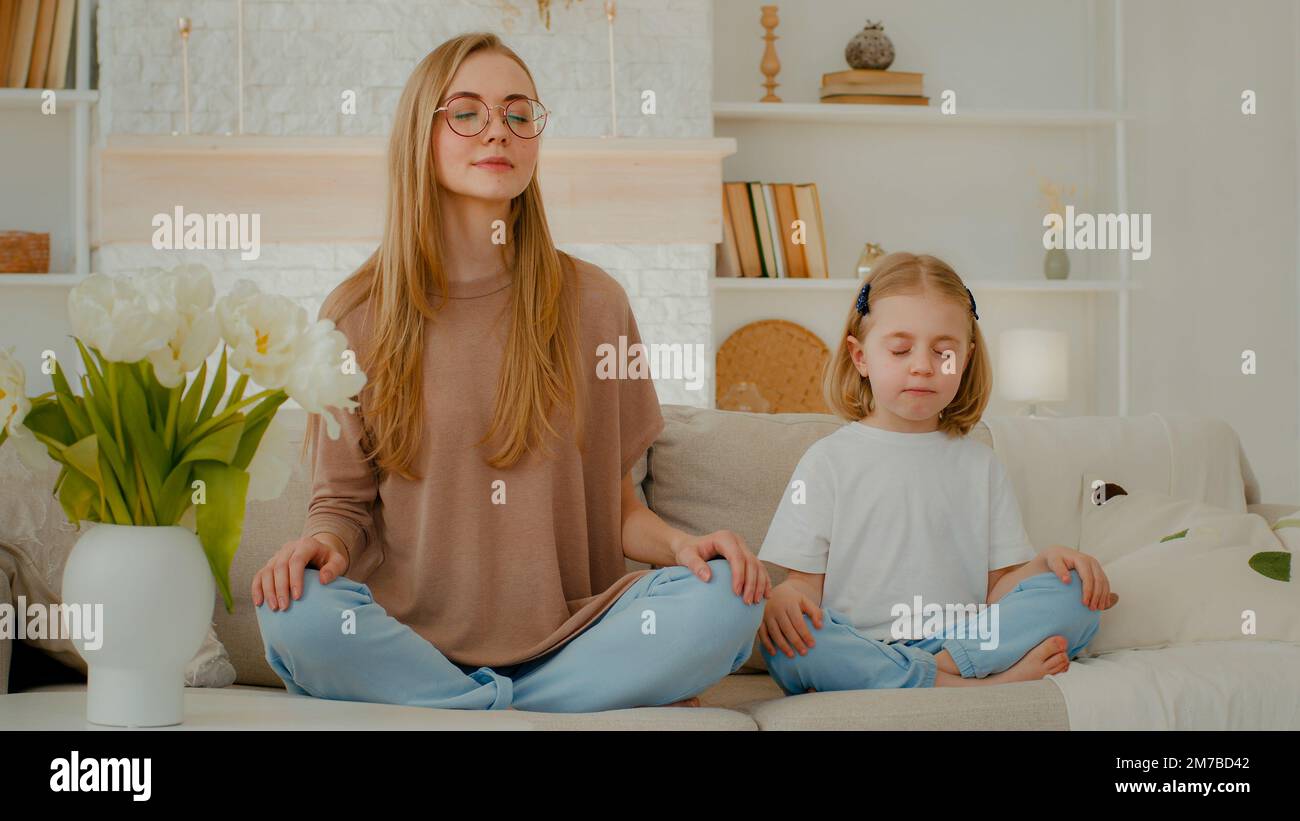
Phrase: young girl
x=468 y=531
x=898 y=509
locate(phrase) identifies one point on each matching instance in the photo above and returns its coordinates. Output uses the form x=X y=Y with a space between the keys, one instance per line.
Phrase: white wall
x=1221 y=187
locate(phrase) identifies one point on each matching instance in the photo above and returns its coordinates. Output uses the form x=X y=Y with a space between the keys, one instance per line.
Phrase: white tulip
x=322 y=377
x=272 y=463
x=196 y=332
x=263 y=332
x=14 y=404
x=124 y=321
x=14 y=407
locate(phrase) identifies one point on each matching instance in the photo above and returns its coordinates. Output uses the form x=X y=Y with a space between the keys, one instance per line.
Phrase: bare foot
x=693 y=701
x=1048 y=658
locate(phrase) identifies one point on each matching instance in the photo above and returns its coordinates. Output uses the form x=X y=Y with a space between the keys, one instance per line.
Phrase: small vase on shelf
x=1056 y=264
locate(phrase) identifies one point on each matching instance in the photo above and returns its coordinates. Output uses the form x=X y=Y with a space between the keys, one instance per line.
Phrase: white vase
x=157 y=593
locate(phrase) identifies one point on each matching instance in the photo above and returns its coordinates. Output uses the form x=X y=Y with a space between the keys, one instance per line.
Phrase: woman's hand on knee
x=749 y=578
x=281 y=576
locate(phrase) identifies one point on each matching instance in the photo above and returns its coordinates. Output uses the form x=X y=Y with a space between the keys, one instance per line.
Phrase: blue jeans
x=703 y=632
x=844 y=659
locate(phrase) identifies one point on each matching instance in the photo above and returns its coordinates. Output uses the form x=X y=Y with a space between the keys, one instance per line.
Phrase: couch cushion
x=1029 y=705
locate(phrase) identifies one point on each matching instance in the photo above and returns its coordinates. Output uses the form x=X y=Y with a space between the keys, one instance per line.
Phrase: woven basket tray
x=782 y=360
x=24 y=252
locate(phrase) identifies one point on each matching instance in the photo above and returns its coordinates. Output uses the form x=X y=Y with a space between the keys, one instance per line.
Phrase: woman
x=466 y=539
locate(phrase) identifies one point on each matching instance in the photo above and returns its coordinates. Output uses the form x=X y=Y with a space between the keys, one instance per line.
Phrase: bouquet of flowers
x=153 y=438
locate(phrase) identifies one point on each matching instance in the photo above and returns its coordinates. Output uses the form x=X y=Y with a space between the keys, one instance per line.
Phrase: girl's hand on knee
x=1096 y=587
x=282 y=574
x=783 y=624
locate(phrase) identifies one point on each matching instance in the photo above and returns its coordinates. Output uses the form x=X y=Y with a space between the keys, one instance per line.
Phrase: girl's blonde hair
x=848 y=393
x=539 y=366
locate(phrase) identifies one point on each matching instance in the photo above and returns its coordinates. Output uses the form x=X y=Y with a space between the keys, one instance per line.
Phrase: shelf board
x=333 y=189
x=914 y=115
x=837 y=284
x=49 y=280
x=31 y=97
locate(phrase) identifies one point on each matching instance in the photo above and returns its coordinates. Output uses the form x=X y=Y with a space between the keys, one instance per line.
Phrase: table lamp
x=1033 y=367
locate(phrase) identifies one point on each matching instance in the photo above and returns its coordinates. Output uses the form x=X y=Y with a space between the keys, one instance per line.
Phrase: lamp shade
x=1033 y=365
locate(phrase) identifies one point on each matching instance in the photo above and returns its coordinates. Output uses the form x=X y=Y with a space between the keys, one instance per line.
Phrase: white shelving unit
x=838 y=288
x=82 y=100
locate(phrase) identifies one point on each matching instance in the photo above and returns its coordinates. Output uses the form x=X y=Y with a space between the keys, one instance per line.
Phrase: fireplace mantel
x=332 y=189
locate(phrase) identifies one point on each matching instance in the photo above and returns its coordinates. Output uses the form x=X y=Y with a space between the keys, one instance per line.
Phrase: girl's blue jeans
x=844 y=659
x=669 y=637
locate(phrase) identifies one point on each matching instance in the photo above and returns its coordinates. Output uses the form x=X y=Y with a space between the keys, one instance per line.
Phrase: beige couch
x=712 y=470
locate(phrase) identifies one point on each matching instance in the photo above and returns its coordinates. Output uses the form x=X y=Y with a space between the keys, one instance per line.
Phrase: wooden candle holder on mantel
x=771 y=65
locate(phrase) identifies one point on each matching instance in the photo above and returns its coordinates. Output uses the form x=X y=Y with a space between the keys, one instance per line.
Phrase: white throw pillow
x=1182 y=572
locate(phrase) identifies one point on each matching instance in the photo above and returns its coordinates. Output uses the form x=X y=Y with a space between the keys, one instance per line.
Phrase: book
x=8 y=17
x=808 y=206
x=56 y=75
x=750 y=208
x=774 y=228
x=795 y=262
x=728 y=262
x=763 y=228
x=874 y=81
x=24 y=37
x=876 y=99
x=743 y=228
x=41 y=45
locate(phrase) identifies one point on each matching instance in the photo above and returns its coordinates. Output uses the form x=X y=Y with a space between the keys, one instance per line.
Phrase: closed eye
x=909 y=350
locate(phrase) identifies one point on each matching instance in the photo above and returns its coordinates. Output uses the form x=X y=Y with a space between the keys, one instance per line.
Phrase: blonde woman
x=466 y=539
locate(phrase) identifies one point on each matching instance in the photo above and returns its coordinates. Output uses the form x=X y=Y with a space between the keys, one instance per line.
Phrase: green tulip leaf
x=221 y=519
x=217 y=390
x=218 y=445
x=50 y=419
x=190 y=404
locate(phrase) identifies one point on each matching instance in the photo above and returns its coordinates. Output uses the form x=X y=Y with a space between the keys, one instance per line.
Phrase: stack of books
x=772 y=230
x=36 y=43
x=860 y=85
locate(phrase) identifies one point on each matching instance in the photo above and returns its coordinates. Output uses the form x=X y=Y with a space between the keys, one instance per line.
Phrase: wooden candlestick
x=610 y=11
x=183 y=25
x=770 y=65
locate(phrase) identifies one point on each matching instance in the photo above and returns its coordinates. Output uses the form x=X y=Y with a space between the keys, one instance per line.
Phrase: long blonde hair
x=848 y=392
x=538 y=367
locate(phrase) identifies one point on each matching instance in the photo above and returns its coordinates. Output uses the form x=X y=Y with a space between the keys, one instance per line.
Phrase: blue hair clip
x=972 y=303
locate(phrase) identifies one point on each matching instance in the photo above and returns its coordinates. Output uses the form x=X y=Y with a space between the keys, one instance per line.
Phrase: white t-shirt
x=888 y=516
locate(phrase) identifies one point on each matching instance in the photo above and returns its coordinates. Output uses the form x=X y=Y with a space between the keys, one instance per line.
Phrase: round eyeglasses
x=468 y=116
